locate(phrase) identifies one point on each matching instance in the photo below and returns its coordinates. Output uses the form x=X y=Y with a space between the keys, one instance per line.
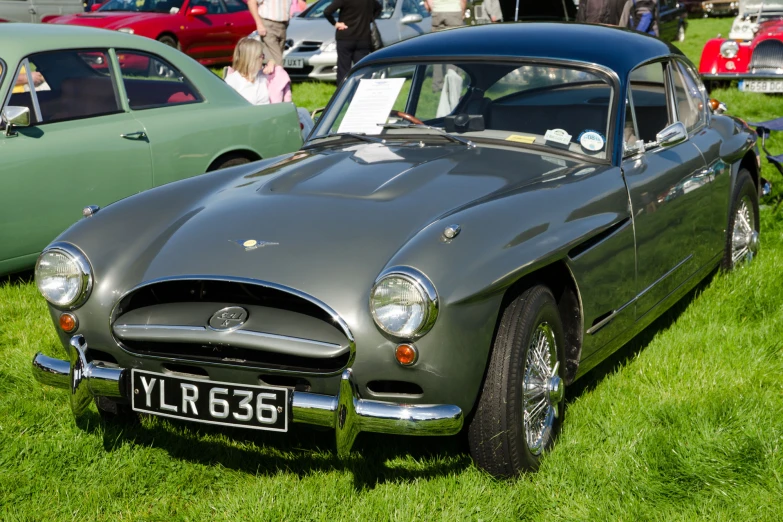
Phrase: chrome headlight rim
x=729 y=49
x=84 y=266
x=425 y=288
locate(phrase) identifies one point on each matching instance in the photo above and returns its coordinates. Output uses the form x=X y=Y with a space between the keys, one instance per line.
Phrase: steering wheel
x=407 y=117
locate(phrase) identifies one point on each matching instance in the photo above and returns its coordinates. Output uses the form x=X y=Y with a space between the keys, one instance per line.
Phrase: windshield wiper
x=356 y=135
x=440 y=131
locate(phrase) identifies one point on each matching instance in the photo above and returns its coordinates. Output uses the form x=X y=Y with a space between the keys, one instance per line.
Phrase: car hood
x=310 y=29
x=315 y=221
x=107 y=20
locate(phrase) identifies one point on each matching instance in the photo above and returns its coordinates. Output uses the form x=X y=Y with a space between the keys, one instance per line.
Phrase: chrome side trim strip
x=614 y=314
x=240 y=338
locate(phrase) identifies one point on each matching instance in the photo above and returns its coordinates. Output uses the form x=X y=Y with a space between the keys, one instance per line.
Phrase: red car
x=206 y=30
x=757 y=63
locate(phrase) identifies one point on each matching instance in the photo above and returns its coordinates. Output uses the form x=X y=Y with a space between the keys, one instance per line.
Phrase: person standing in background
x=353 y=31
x=600 y=11
x=445 y=14
x=493 y=11
x=271 y=18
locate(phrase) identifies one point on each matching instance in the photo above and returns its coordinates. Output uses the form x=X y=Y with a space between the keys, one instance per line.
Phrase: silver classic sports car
x=479 y=218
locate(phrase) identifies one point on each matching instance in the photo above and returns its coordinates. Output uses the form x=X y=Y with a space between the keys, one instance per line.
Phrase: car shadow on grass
x=17 y=279
x=303 y=450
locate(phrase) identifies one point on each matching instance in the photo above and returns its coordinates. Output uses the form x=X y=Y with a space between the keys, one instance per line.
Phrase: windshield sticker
x=592 y=141
x=371 y=104
x=518 y=138
x=558 y=136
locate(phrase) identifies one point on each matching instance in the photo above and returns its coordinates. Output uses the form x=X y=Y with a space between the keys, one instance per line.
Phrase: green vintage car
x=91 y=116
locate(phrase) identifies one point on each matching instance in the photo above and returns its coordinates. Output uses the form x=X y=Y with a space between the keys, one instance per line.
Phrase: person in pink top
x=279 y=83
x=297 y=6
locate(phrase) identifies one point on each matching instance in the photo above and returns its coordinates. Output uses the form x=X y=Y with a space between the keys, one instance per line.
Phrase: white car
x=751 y=14
x=311 y=50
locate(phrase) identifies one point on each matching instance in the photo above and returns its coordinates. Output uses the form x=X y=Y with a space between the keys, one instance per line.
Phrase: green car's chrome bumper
x=346 y=412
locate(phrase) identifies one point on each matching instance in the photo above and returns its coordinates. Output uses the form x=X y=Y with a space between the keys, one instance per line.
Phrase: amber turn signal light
x=68 y=323
x=406 y=354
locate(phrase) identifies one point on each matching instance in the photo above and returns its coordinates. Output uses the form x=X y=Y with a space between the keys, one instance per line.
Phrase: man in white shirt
x=445 y=14
x=271 y=18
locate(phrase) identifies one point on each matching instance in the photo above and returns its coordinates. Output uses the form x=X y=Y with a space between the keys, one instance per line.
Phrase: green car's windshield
x=554 y=106
x=317 y=9
x=142 y=6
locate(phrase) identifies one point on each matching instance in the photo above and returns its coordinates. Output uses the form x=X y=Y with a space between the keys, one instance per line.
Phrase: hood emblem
x=252 y=244
x=228 y=319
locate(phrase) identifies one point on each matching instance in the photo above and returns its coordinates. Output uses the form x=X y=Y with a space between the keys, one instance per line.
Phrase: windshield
x=530 y=105
x=316 y=10
x=143 y=6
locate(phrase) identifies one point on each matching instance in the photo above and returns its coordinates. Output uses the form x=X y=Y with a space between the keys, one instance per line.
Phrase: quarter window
x=648 y=101
x=689 y=98
x=151 y=82
x=235 y=6
x=65 y=85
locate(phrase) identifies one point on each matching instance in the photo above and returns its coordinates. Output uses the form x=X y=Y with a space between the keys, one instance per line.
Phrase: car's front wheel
x=742 y=234
x=521 y=405
x=168 y=40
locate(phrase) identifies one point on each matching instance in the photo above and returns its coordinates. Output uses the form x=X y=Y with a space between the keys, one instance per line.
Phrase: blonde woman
x=246 y=75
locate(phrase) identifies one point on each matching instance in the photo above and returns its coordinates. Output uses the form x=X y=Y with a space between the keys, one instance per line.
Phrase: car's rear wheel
x=521 y=405
x=232 y=160
x=742 y=234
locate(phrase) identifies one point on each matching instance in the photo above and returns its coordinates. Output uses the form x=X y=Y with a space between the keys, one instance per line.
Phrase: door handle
x=140 y=135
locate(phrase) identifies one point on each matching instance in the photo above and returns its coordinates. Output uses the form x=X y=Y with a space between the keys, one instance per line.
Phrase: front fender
x=713 y=63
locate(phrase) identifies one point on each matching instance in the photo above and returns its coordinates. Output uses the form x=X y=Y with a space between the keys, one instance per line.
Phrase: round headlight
x=329 y=47
x=729 y=49
x=404 y=303
x=63 y=276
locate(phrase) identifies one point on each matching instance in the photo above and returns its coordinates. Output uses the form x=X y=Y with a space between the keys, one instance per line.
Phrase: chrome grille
x=284 y=331
x=768 y=55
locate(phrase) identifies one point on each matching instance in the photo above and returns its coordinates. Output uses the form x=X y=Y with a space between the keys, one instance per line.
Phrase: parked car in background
x=311 y=50
x=430 y=260
x=673 y=20
x=36 y=10
x=753 y=13
x=756 y=63
x=105 y=115
x=205 y=30
x=720 y=7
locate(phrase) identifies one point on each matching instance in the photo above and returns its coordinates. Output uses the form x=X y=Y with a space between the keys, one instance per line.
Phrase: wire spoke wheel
x=540 y=388
x=744 y=237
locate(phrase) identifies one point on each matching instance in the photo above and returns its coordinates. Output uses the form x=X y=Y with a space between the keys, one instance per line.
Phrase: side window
x=411 y=7
x=151 y=82
x=213 y=6
x=648 y=100
x=66 y=85
x=443 y=89
x=235 y=6
x=689 y=98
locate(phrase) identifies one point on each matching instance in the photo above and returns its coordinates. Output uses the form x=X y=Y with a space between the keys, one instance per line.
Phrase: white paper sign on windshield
x=371 y=104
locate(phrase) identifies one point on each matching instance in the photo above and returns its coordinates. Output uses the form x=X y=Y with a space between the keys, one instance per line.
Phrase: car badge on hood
x=252 y=244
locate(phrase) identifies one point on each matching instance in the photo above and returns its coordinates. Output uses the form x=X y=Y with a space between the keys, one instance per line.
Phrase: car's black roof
x=618 y=49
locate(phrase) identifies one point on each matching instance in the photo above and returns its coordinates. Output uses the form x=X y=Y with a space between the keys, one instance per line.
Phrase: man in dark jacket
x=353 y=31
x=600 y=11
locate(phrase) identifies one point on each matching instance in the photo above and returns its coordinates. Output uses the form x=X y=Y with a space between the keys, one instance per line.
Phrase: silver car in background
x=311 y=50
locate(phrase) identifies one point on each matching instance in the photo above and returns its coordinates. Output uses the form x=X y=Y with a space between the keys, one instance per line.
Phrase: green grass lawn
x=685 y=423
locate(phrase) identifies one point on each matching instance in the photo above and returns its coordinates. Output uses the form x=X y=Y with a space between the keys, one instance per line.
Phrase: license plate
x=198 y=400
x=761 y=85
x=293 y=63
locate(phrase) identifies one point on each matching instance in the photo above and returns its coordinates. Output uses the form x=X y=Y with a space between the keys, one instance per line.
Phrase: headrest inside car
x=464 y=123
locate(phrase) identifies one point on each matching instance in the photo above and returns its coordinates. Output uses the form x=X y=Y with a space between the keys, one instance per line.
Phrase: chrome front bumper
x=346 y=412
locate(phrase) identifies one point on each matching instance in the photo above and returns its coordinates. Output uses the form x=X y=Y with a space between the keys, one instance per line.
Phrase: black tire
x=169 y=40
x=112 y=412
x=496 y=433
x=233 y=160
x=744 y=191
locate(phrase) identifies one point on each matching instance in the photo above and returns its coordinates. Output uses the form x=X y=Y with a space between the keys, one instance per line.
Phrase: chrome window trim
x=248 y=281
x=423 y=282
x=705 y=116
x=84 y=266
x=199 y=96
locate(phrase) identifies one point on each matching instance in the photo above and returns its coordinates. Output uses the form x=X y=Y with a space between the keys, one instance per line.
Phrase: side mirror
x=15 y=117
x=198 y=10
x=717 y=106
x=411 y=19
x=95 y=7
x=672 y=135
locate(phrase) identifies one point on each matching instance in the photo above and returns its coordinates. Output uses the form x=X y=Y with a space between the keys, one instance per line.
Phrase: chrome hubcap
x=543 y=388
x=744 y=238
